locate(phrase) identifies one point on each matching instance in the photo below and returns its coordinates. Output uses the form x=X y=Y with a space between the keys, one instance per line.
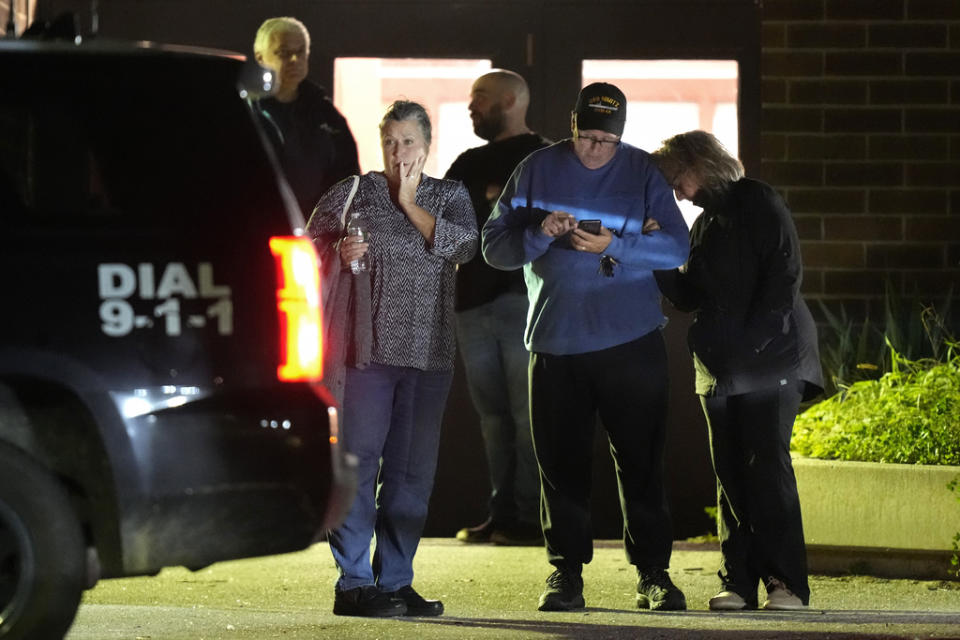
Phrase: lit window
x=365 y=87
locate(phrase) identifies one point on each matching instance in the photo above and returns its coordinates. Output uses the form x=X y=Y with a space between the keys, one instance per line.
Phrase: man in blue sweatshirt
x=589 y=219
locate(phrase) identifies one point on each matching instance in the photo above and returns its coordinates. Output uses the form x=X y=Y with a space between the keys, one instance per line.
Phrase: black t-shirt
x=484 y=171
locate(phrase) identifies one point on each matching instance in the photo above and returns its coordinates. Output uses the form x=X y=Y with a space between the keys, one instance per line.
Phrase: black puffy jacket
x=313 y=141
x=752 y=329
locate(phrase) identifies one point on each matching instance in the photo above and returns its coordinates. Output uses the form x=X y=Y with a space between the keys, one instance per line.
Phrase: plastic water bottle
x=357 y=231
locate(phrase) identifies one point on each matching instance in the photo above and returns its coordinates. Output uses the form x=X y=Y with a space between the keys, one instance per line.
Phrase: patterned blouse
x=411 y=283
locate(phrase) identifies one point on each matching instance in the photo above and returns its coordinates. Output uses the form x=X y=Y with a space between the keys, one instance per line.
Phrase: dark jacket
x=752 y=329
x=313 y=142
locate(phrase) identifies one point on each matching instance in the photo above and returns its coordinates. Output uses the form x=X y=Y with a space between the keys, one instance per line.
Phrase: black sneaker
x=368 y=602
x=417 y=605
x=564 y=592
x=657 y=592
x=477 y=534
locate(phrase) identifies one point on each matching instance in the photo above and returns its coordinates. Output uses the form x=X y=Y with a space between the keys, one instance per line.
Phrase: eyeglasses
x=592 y=141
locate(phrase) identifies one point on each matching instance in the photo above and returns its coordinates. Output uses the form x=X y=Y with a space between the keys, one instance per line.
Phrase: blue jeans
x=391 y=422
x=490 y=338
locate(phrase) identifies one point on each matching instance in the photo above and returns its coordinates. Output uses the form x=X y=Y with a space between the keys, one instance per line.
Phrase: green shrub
x=853 y=351
x=911 y=414
x=850 y=351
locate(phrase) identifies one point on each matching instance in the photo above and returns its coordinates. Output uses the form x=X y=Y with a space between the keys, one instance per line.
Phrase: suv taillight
x=298 y=306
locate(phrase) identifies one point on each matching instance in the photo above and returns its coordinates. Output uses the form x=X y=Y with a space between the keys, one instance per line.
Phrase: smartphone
x=590 y=226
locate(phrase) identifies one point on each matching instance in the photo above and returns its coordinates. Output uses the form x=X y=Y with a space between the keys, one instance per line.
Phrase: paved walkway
x=491 y=593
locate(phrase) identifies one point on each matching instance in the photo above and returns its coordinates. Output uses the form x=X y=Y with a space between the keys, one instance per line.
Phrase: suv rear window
x=157 y=150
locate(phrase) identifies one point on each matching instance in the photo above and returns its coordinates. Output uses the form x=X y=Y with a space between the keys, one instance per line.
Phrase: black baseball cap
x=601 y=106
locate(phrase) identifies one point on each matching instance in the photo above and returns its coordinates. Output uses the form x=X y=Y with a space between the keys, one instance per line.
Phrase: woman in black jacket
x=754 y=348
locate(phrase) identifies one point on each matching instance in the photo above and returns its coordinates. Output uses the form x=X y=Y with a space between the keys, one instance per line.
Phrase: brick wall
x=861 y=133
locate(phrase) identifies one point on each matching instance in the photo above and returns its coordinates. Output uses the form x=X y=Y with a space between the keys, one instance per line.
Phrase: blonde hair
x=273 y=26
x=701 y=154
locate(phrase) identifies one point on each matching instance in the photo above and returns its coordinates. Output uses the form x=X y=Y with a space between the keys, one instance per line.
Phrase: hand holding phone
x=590 y=226
x=590 y=236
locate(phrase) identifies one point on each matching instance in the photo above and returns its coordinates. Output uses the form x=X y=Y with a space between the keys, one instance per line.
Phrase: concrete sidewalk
x=491 y=593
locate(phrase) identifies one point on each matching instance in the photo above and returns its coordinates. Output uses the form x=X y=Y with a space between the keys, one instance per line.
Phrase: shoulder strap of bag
x=346 y=205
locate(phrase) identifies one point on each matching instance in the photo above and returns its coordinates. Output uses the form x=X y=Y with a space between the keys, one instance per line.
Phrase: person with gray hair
x=754 y=347
x=395 y=389
x=312 y=139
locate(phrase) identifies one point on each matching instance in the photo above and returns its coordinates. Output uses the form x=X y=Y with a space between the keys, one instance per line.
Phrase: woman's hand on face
x=351 y=250
x=409 y=180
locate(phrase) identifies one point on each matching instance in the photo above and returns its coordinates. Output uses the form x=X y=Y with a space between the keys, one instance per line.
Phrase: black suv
x=160 y=387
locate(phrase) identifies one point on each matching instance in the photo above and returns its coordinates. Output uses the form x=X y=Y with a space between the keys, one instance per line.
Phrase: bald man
x=491 y=308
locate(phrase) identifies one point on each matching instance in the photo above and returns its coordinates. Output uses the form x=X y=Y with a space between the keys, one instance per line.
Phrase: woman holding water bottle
x=415 y=230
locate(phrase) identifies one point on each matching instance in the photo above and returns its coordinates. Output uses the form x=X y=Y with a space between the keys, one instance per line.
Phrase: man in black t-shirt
x=312 y=139
x=491 y=308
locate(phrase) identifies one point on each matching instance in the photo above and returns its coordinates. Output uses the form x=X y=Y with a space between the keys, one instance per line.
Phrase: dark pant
x=761 y=530
x=627 y=386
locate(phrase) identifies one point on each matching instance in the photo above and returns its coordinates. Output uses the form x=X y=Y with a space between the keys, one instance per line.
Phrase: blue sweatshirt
x=573 y=307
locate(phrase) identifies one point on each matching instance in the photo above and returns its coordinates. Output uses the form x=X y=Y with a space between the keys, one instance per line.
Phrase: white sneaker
x=780 y=598
x=727 y=601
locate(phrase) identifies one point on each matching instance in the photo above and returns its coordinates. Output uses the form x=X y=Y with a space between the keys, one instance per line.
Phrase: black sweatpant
x=627 y=386
x=761 y=530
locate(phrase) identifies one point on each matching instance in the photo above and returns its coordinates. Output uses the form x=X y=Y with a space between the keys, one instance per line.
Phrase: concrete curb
x=882 y=506
x=833 y=560
x=919 y=564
